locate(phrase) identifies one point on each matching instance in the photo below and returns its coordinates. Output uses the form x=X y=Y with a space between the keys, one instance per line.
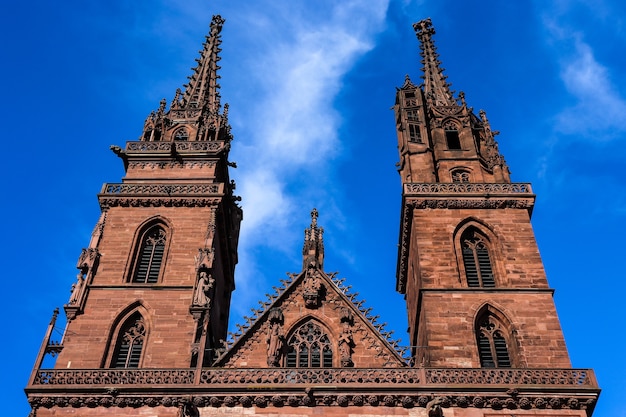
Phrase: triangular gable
x=316 y=302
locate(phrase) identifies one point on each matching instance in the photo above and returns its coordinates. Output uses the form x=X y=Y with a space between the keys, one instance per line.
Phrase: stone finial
x=313 y=250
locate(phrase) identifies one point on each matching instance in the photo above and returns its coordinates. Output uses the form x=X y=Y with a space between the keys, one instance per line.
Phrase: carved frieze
x=172 y=164
x=107 y=202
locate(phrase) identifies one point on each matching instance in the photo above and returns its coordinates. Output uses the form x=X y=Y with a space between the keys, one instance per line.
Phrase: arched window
x=460 y=175
x=150 y=256
x=309 y=347
x=453 y=141
x=493 y=348
x=130 y=341
x=181 y=134
x=476 y=259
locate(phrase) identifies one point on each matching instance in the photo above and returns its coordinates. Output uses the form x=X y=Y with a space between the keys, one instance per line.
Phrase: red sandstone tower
x=148 y=314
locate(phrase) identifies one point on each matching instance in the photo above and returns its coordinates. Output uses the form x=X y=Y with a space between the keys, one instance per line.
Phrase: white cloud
x=599 y=106
x=296 y=57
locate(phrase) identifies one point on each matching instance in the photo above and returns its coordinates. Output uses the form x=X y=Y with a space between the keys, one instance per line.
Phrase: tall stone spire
x=203 y=88
x=195 y=114
x=436 y=88
x=313 y=251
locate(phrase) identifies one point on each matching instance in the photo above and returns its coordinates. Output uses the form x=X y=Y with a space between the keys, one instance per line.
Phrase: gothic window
x=460 y=175
x=493 y=349
x=309 y=347
x=453 y=141
x=150 y=256
x=412 y=116
x=476 y=259
x=414 y=133
x=181 y=134
x=130 y=341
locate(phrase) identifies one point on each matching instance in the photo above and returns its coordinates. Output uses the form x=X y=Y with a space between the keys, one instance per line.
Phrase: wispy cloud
x=291 y=133
x=599 y=106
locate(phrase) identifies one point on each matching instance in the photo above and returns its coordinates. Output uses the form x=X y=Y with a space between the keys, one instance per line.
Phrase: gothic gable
x=312 y=321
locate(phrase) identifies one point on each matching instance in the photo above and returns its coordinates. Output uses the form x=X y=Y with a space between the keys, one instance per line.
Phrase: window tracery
x=492 y=344
x=181 y=134
x=460 y=175
x=309 y=347
x=130 y=343
x=477 y=260
x=150 y=256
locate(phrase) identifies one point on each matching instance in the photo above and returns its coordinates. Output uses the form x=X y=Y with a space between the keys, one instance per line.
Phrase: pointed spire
x=436 y=88
x=202 y=89
x=313 y=251
x=194 y=114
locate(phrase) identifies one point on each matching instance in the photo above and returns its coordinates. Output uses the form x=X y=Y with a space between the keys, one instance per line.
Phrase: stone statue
x=345 y=347
x=203 y=289
x=275 y=343
x=77 y=288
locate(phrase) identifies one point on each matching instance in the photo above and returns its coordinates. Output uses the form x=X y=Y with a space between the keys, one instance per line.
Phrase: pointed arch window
x=150 y=256
x=460 y=175
x=130 y=341
x=309 y=347
x=453 y=141
x=477 y=260
x=181 y=135
x=493 y=348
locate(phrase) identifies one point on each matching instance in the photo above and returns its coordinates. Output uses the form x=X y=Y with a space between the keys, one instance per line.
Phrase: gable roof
x=313 y=295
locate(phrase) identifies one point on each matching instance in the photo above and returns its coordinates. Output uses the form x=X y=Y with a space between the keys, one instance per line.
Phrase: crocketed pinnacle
x=203 y=89
x=313 y=251
x=436 y=88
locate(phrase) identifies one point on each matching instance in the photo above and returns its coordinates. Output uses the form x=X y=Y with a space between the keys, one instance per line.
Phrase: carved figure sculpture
x=77 y=289
x=275 y=337
x=345 y=347
x=203 y=289
x=312 y=287
x=275 y=343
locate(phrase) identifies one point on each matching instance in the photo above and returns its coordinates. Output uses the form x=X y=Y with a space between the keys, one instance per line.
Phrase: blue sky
x=310 y=85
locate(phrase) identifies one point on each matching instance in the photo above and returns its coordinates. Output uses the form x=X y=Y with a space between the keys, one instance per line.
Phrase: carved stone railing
x=114 y=376
x=467 y=188
x=414 y=377
x=459 y=376
x=179 y=147
x=160 y=189
x=311 y=376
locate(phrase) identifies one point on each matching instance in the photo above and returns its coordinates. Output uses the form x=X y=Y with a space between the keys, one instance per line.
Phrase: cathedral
x=147 y=318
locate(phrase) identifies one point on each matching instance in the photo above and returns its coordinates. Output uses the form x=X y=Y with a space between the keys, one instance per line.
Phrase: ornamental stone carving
x=313 y=287
x=202 y=295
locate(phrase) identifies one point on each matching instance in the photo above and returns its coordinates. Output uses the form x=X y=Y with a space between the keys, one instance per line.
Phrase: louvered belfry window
x=477 y=262
x=130 y=343
x=150 y=256
x=492 y=346
x=309 y=347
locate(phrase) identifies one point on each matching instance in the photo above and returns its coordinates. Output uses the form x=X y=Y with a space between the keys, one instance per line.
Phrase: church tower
x=153 y=286
x=468 y=265
x=148 y=314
